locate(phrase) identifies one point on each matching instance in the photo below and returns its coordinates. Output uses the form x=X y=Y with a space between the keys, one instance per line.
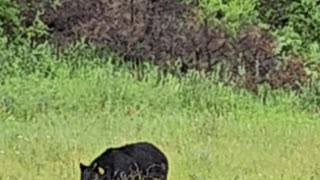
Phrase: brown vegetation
x=167 y=31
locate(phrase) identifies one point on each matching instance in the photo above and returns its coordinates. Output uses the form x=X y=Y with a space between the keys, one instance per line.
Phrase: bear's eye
x=95 y=165
x=101 y=171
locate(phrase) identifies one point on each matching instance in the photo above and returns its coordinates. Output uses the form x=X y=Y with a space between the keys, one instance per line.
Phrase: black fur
x=126 y=160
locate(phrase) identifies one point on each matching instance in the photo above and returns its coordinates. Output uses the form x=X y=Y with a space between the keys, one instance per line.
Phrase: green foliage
x=35 y=32
x=23 y=60
x=9 y=19
x=304 y=17
x=310 y=99
x=312 y=55
x=232 y=13
x=296 y=26
x=11 y=23
x=274 y=12
x=288 y=41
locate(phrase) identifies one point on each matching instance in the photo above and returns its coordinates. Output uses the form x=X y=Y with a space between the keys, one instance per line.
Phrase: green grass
x=49 y=125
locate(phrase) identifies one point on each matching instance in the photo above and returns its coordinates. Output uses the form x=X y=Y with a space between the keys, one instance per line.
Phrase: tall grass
x=54 y=115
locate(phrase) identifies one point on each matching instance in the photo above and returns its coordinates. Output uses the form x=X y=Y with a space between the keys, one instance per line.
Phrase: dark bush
x=165 y=32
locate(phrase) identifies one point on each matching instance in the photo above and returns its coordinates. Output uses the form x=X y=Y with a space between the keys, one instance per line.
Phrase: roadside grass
x=208 y=131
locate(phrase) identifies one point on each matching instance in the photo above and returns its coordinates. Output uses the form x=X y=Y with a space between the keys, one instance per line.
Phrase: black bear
x=140 y=160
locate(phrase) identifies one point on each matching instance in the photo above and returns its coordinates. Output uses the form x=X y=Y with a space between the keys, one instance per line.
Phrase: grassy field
x=49 y=125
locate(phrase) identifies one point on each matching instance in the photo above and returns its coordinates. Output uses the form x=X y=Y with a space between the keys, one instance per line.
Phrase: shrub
x=9 y=19
x=164 y=32
x=274 y=12
x=304 y=17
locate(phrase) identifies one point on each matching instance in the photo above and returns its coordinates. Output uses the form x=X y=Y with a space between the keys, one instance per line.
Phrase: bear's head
x=93 y=172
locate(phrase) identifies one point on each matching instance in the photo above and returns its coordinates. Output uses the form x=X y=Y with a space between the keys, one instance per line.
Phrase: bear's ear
x=82 y=167
x=101 y=171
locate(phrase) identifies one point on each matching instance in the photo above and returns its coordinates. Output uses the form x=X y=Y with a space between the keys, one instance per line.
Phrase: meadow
x=58 y=111
x=208 y=130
